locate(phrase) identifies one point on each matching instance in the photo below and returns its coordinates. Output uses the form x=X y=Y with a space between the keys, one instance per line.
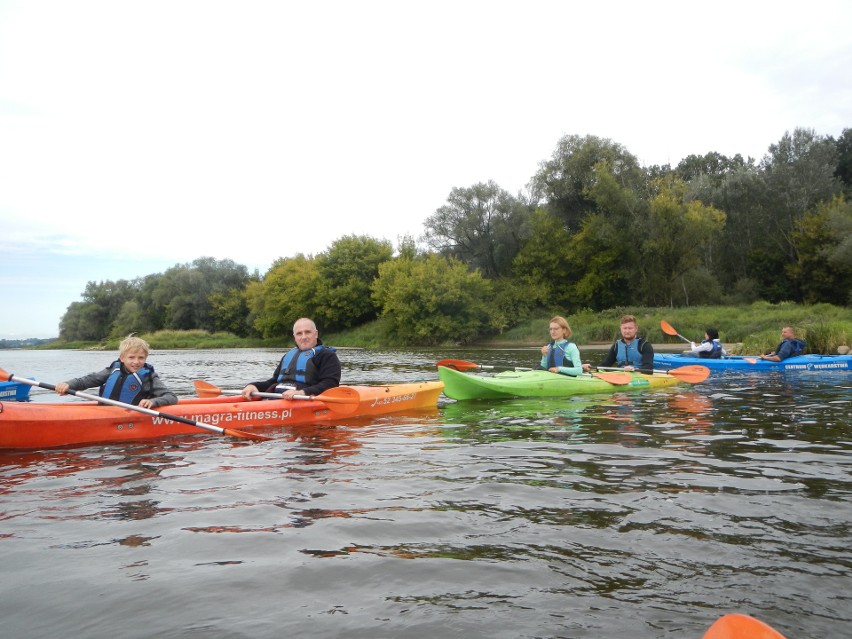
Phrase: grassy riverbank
x=750 y=329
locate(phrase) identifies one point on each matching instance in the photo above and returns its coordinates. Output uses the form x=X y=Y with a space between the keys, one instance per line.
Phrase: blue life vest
x=794 y=346
x=298 y=366
x=629 y=354
x=556 y=355
x=716 y=353
x=125 y=386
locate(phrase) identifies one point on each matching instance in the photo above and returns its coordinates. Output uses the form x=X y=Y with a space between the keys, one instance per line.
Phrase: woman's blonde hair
x=563 y=324
x=132 y=343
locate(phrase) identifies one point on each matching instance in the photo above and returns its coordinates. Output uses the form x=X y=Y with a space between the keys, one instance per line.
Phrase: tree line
x=593 y=230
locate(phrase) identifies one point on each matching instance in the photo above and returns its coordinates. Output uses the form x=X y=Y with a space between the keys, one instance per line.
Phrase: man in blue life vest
x=630 y=352
x=307 y=369
x=789 y=346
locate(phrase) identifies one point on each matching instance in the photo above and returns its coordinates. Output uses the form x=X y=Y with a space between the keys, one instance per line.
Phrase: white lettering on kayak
x=816 y=366
x=394 y=399
x=215 y=419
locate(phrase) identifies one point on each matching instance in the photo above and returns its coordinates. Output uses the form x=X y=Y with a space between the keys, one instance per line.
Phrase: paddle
x=342 y=400
x=737 y=626
x=692 y=374
x=138 y=409
x=462 y=365
x=668 y=329
x=618 y=379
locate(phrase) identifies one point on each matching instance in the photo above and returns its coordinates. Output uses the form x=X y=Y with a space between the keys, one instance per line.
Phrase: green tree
x=347 y=270
x=229 y=311
x=433 y=300
x=800 y=173
x=844 y=160
x=82 y=321
x=713 y=165
x=823 y=240
x=286 y=293
x=483 y=226
x=541 y=266
x=181 y=296
x=129 y=320
x=566 y=180
x=604 y=254
x=676 y=236
x=602 y=259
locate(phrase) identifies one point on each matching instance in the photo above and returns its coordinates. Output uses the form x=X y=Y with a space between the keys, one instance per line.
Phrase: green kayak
x=458 y=385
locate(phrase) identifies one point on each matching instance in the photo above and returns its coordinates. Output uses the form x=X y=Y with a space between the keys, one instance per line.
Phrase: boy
x=128 y=379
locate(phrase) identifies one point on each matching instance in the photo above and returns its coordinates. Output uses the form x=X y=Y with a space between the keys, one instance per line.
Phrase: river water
x=626 y=515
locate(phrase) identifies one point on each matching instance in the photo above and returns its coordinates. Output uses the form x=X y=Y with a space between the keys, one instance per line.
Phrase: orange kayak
x=738 y=626
x=43 y=425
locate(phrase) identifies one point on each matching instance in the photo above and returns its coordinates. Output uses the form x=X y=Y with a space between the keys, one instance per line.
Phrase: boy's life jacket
x=127 y=387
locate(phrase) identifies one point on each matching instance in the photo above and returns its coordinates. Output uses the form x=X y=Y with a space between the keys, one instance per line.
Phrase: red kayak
x=737 y=626
x=36 y=425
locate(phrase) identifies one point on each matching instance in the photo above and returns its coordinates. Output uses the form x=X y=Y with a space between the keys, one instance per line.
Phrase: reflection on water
x=621 y=515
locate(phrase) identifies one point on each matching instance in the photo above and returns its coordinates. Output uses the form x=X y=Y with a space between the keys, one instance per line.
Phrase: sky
x=135 y=136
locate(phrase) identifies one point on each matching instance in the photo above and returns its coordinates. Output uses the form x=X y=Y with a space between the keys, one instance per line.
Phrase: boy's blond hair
x=133 y=343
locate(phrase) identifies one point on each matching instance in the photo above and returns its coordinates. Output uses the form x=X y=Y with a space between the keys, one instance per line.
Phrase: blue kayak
x=743 y=363
x=14 y=392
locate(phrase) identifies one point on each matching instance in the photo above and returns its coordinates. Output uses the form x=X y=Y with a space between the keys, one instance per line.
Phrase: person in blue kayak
x=129 y=379
x=788 y=347
x=560 y=355
x=710 y=347
x=630 y=352
x=309 y=368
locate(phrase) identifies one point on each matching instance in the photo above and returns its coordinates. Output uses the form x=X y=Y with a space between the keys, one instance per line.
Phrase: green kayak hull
x=458 y=385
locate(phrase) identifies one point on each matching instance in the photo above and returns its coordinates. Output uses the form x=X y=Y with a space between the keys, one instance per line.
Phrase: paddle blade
x=690 y=374
x=668 y=329
x=206 y=389
x=244 y=435
x=343 y=400
x=5 y=377
x=619 y=379
x=458 y=364
x=738 y=626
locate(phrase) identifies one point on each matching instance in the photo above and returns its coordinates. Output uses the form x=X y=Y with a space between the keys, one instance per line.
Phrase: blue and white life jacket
x=716 y=353
x=556 y=355
x=298 y=366
x=629 y=354
x=796 y=346
x=125 y=386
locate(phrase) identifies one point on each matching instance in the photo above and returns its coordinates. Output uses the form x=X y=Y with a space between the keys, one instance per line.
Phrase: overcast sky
x=139 y=135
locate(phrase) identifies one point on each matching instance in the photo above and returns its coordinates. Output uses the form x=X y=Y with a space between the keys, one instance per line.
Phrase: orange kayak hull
x=50 y=425
x=738 y=626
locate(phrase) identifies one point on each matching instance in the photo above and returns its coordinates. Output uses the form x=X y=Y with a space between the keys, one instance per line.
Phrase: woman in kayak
x=560 y=355
x=709 y=347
